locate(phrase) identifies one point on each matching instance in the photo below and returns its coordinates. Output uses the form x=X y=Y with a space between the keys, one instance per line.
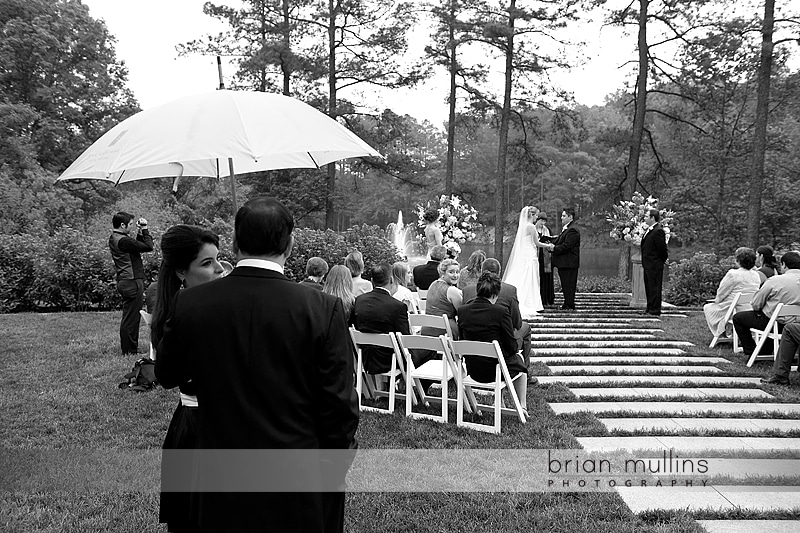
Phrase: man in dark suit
x=507 y=298
x=566 y=250
x=378 y=312
x=654 y=255
x=316 y=268
x=426 y=274
x=272 y=364
x=484 y=320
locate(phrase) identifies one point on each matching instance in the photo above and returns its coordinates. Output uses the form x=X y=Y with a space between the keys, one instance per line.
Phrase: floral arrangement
x=628 y=219
x=458 y=219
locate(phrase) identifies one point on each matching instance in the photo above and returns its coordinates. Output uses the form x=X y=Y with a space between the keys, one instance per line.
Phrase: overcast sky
x=147 y=32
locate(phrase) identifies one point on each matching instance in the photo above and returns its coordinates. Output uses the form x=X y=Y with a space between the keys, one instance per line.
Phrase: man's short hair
x=570 y=211
x=381 y=275
x=655 y=214
x=316 y=266
x=263 y=227
x=490 y=264
x=438 y=252
x=488 y=285
x=121 y=218
x=791 y=259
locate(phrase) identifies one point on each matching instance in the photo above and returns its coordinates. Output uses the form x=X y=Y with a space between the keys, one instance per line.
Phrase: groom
x=566 y=250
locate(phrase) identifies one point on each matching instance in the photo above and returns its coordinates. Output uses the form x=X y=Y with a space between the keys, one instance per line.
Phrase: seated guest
x=743 y=279
x=426 y=274
x=355 y=263
x=766 y=263
x=316 y=268
x=483 y=320
x=470 y=273
x=783 y=288
x=444 y=297
x=787 y=351
x=339 y=283
x=508 y=299
x=378 y=312
x=403 y=293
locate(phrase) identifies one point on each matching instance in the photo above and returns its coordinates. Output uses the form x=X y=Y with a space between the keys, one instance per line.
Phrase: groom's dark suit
x=567 y=259
x=654 y=255
x=272 y=364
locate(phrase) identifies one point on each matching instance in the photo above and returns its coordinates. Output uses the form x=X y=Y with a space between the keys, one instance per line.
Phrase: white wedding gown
x=523 y=273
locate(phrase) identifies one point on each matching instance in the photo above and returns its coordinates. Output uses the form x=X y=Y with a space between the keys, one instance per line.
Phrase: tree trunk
x=760 y=133
x=500 y=185
x=286 y=69
x=451 y=100
x=330 y=213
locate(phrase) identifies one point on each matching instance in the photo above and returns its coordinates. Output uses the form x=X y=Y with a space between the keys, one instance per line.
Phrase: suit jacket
x=272 y=365
x=483 y=321
x=654 y=248
x=308 y=282
x=426 y=274
x=379 y=312
x=567 y=251
x=507 y=299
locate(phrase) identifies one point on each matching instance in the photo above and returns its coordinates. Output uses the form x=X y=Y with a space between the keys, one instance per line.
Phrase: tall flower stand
x=638 y=296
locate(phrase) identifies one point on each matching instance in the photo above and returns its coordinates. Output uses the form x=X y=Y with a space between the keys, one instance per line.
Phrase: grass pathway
x=655 y=395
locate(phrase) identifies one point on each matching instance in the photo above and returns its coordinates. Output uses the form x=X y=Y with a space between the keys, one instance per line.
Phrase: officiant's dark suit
x=427 y=273
x=272 y=364
x=567 y=257
x=654 y=255
x=378 y=312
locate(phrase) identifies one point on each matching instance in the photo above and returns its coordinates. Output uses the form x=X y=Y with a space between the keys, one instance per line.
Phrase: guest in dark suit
x=426 y=274
x=507 y=298
x=378 y=312
x=316 y=268
x=566 y=250
x=484 y=320
x=272 y=366
x=654 y=255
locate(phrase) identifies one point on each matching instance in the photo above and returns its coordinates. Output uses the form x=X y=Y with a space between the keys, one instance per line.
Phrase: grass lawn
x=60 y=374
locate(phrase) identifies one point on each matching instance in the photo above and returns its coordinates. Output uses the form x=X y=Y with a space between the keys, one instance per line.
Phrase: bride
x=522 y=270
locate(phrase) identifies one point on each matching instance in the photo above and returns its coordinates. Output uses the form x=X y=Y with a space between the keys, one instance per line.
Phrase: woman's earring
x=183 y=283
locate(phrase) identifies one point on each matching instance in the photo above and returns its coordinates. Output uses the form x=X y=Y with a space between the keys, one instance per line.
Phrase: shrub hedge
x=694 y=280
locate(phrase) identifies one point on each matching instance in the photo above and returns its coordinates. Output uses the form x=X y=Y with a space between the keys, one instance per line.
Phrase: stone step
x=668 y=392
x=633 y=369
x=750 y=526
x=721 y=497
x=593 y=331
x=627 y=359
x=645 y=344
x=561 y=339
x=687 y=444
x=676 y=408
x=594 y=322
x=585 y=352
x=613 y=380
x=656 y=425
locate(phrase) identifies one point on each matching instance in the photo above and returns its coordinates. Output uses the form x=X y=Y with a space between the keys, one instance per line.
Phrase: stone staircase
x=656 y=395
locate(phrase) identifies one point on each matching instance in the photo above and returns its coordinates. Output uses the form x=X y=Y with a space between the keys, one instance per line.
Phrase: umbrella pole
x=233 y=186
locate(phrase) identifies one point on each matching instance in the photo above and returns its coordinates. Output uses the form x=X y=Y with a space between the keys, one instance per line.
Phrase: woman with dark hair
x=433 y=233
x=339 y=283
x=767 y=263
x=546 y=285
x=469 y=274
x=743 y=279
x=190 y=257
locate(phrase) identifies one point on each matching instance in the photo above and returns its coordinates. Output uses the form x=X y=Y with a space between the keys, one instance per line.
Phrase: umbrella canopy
x=210 y=134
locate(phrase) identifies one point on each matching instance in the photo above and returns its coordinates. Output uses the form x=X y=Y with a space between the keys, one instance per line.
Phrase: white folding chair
x=432 y=321
x=371 y=381
x=422 y=295
x=148 y=318
x=502 y=380
x=434 y=370
x=740 y=302
x=771 y=332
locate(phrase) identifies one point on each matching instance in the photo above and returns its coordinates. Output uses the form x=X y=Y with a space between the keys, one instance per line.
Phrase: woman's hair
x=339 y=283
x=488 y=285
x=400 y=273
x=475 y=261
x=180 y=245
x=431 y=215
x=769 y=256
x=746 y=257
x=532 y=211
x=445 y=264
x=355 y=263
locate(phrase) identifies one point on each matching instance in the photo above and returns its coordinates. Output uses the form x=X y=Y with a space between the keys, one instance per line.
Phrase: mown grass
x=60 y=392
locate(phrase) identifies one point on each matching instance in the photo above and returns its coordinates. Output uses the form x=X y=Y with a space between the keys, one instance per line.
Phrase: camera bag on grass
x=142 y=376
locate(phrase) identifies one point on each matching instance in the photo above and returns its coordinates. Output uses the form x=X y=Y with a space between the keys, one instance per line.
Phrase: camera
x=141 y=222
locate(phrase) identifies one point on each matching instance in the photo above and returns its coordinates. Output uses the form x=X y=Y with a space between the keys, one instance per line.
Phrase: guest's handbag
x=142 y=376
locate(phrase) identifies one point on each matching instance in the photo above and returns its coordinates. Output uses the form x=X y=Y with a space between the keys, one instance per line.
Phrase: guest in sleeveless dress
x=444 y=297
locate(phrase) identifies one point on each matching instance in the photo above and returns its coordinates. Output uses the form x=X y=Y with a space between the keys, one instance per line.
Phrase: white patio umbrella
x=211 y=134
